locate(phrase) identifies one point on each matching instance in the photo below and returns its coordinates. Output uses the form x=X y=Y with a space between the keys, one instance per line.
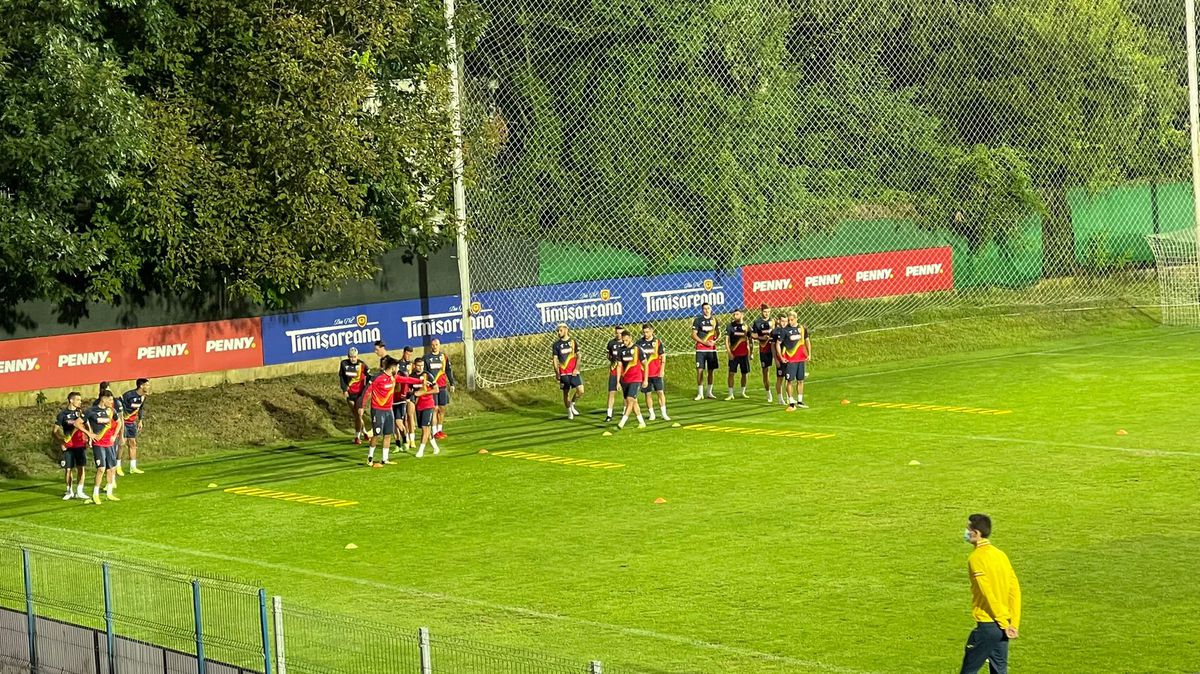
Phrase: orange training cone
x=660 y=501
x=845 y=402
x=483 y=451
x=1122 y=432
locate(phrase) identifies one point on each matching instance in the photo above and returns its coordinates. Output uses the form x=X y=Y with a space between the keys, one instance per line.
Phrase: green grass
x=771 y=554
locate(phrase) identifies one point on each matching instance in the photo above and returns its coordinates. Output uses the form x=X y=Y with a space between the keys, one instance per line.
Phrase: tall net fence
x=866 y=162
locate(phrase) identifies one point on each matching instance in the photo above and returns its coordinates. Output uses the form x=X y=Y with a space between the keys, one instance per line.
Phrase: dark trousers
x=986 y=643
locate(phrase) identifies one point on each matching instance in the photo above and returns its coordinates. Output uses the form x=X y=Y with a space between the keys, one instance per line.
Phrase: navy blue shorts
x=631 y=390
x=73 y=457
x=654 y=384
x=613 y=384
x=443 y=397
x=383 y=421
x=793 y=371
x=425 y=418
x=707 y=360
x=739 y=363
x=131 y=431
x=569 y=381
x=106 y=457
x=765 y=359
x=400 y=410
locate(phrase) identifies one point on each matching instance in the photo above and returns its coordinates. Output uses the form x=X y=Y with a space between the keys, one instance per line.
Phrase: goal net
x=871 y=164
x=1178 y=271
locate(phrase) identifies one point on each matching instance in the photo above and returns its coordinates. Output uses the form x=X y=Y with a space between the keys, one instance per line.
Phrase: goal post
x=1178 y=271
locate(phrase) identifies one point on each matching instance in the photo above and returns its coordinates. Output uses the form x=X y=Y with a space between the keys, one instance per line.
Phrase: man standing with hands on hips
x=995 y=601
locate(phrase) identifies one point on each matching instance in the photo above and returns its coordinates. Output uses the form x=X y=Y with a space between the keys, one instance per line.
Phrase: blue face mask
x=967 y=535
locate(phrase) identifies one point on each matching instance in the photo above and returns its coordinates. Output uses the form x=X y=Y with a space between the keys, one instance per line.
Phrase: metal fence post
x=595 y=667
x=32 y=619
x=266 y=630
x=201 y=667
x=109 y=632
x=280 y=662
x=426 y=658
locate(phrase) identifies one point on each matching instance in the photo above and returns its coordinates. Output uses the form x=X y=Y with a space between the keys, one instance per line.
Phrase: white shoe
x=69 y=495
x=712 y=397
x=665 y=417
x=570 y=414
x=420 y=453
x=574 y=409
x=81 y=495
x=652 y=417
x=641 y=424
x=699 y=396
x=745 y=396
x=770 y=398
x=436 y=450
x=729 y=397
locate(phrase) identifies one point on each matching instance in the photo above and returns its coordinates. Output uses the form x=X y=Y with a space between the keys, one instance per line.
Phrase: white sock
x=640 y=419
x=730 y=391
x=385 y=453
x=108 y=488
x=710 y=389
x=433 y=443
x=801 y=397
x=609 y=411
x=743 y=390
x=133 y=464
x=422 y=449
x=119 y=462
x=371 y=454
x=96 y=492
x=664 y=410
x=651 y=408
x=624 y=418
x=700 y=390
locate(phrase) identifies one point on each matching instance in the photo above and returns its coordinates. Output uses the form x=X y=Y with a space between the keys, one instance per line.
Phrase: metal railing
x=71 y=612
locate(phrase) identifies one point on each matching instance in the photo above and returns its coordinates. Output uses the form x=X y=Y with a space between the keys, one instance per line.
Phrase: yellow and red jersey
x=382 y=391
x=739 y=344
x=793 y=344
x=438 y=365
x=103 y=423
x=566 y=356
x=652 y=354
x=614 y=355
x=353 y=376
x=631 y=357
x=761 y=328
x=426 y=402
x=706 y=331
x=72 y=436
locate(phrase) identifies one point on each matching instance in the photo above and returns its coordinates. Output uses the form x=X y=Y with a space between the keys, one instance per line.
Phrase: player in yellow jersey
x=995 y=601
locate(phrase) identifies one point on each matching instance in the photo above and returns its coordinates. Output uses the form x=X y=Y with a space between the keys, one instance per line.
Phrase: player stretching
x=352 y=375
x=566 y=367
x=655 y=358
x=737 y=347
x=134 y=401
x=73 y=434
x=761 y=330
x=633 y=378
x=438 y=365
x=794 y=349
x=613 y=351
x=704 y=334
x=402 y=405
x=104 y=422
x=383 y=421
x=119 y=412
x=779 y=368
x=426 y=394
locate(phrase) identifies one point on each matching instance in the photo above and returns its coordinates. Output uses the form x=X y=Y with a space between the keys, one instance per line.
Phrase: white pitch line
x=425 y=594
x=1018 y=441
x=1039 y=352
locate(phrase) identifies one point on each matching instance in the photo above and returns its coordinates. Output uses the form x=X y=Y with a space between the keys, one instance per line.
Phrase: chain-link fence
x=72 y=612
x=861 y=161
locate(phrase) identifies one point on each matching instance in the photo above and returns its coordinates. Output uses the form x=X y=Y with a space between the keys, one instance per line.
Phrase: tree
x=1074 y=86
x=256 y=148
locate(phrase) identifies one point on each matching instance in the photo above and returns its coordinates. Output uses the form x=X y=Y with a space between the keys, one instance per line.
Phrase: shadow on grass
x=294 y=424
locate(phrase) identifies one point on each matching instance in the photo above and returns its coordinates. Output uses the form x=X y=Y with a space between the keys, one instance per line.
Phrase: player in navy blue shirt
x=134 y=404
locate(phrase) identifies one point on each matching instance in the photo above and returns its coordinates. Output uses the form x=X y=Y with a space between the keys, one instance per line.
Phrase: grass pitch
x=803 y=542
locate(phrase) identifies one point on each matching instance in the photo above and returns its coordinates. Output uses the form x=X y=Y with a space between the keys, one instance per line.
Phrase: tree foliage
x=249 y=147
x=717 y=123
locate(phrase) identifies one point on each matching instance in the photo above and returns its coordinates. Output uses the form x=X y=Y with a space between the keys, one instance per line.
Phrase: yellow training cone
x=213 y=485
x=483 y=451
x=351 y=546
x=914 y=462
x=660 y=501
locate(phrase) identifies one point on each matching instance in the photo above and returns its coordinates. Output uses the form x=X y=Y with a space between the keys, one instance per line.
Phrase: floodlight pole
x=1193 y=114
x=460 y=197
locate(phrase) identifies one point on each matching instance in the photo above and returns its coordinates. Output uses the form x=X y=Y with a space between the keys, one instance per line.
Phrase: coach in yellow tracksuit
x=995 y=601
